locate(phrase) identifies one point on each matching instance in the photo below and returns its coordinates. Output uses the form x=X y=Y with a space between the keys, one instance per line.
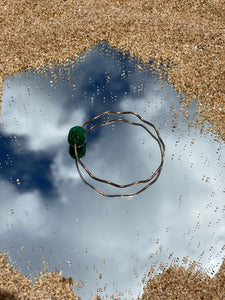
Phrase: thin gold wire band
x=152 y=179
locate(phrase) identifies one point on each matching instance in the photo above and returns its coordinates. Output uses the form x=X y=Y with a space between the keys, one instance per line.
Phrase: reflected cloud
x=56 y=216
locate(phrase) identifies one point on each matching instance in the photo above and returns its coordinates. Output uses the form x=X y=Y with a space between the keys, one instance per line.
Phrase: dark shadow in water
x=32 y=167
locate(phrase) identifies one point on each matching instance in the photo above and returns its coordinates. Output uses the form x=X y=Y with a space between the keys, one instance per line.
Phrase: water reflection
x=49 y=216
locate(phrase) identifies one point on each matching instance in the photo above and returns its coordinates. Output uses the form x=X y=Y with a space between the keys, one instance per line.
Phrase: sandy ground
x=187 y=37
x=175 y=282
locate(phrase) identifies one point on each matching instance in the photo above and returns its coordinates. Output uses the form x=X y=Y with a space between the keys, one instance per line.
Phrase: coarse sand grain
x=14 y=285
x=177 y=282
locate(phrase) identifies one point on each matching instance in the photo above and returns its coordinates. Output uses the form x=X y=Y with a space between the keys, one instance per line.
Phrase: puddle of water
x=49 y=216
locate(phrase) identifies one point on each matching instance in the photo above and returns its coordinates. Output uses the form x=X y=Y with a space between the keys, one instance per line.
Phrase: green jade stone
x=80 y=151
x=77 y=136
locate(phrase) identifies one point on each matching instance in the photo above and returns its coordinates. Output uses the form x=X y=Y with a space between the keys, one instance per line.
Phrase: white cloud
x=124 y=230
x=22 y=211
x=38 y=119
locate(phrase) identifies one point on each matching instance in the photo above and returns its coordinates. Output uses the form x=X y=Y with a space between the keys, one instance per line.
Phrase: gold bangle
x=149 y=180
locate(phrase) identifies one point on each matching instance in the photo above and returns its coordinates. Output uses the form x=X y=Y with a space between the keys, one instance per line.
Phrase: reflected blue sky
x=48 y=212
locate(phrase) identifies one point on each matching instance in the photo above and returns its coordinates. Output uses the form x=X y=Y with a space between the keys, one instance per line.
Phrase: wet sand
x=174 y=282
x=178 y=282
x=15 y=286
x=187 y=37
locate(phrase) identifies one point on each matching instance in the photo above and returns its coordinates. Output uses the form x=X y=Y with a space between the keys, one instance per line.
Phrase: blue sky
x=46 y=209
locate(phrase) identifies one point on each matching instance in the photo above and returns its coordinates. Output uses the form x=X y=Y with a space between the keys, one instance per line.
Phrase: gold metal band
x=149 y=180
